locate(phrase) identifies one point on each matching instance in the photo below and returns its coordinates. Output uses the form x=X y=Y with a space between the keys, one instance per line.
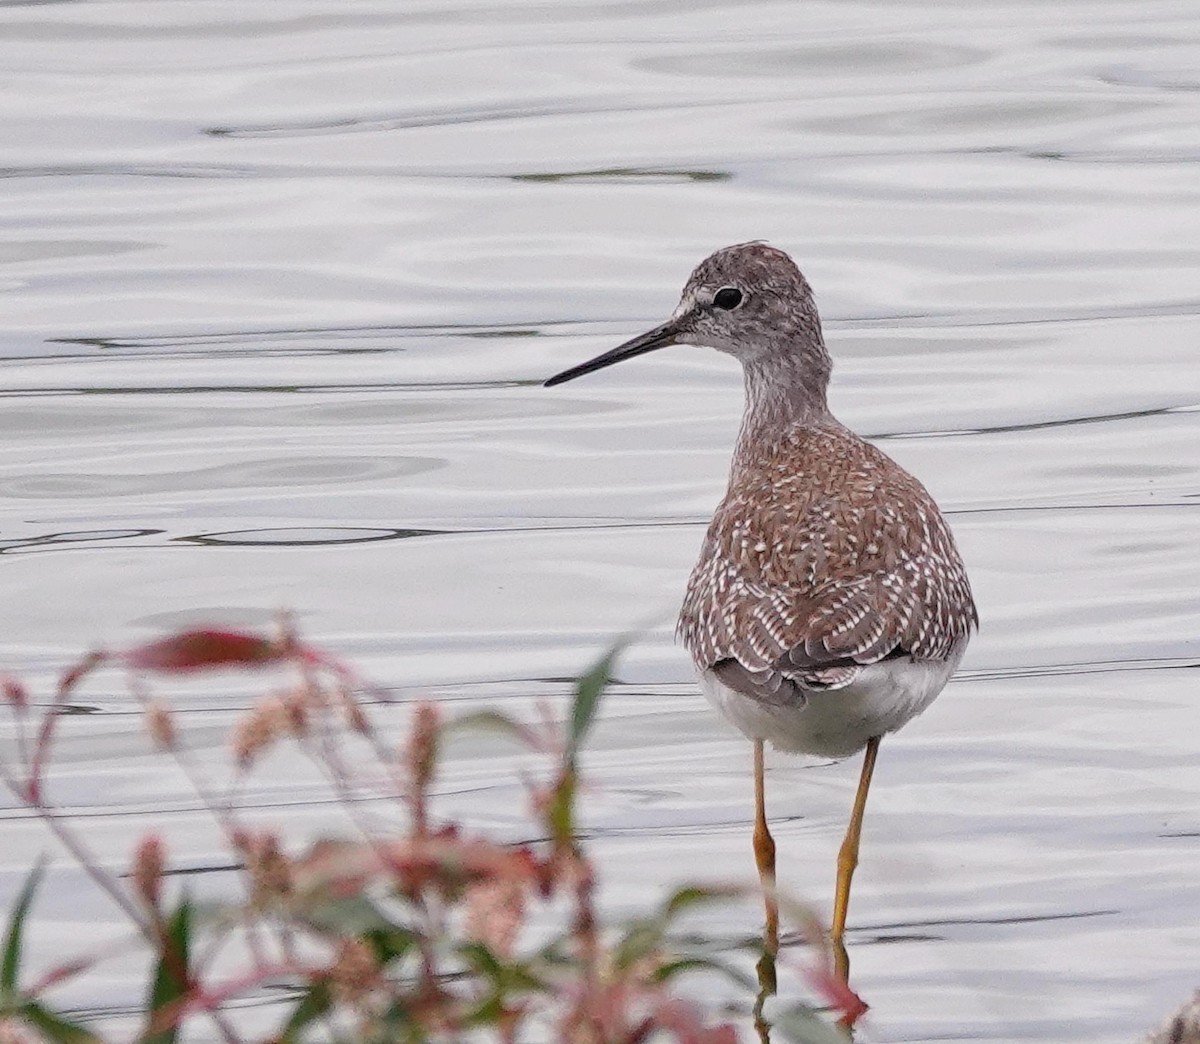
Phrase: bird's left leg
x=848 y=860
x=764 y=856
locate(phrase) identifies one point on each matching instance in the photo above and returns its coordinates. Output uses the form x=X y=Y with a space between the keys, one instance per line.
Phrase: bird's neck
x=782 y=394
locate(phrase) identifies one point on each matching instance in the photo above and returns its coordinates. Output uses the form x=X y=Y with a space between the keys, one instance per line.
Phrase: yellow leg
x=764 y=854
x=848 y=860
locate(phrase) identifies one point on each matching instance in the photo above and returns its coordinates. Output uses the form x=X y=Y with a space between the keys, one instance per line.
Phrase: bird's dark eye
x=728 y=298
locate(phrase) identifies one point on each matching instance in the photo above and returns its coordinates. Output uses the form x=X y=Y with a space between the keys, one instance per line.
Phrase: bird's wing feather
x=778 y=605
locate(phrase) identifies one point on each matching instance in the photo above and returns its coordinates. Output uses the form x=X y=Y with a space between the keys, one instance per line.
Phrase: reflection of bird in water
x=829 y=605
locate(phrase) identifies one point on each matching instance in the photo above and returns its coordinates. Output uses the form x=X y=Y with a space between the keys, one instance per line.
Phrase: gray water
x=278 y=282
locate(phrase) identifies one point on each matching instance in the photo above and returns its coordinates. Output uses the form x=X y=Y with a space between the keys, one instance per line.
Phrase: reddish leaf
x=204 y=650
x=838 y=995
x=60 y=974
x=686 y=1023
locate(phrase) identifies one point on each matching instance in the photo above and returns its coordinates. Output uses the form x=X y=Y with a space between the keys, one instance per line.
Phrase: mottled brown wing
x=776 y=608
x=775 y=648
x=784 y=688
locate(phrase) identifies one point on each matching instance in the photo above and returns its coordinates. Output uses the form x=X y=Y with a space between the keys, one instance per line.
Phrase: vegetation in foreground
x=430 y=934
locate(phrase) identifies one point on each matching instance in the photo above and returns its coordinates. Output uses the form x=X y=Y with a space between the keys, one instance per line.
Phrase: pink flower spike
x=14 y=693
x=148 y=861
x=82 y=669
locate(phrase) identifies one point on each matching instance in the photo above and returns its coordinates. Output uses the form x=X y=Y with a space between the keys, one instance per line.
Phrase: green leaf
x=487 y=1012
x=556 y=954
x=494 y=721
x=397 y=1023
x=560 y=814
x=800 y=1024
x=171 y=977
x=16 y=931
x=587 y=698
x=391 y=944
x=346 y=915
x=483 y=961
x=54 y=1027
x=641 y=937
x=314 y=1003
x=505 y=974
x=504 y=979
x=668 y=971
x=690 y=896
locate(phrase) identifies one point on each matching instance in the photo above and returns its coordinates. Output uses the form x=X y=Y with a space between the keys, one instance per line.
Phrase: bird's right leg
x=764 y=855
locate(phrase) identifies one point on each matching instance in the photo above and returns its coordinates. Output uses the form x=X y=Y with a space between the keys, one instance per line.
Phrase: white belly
x=839 y=722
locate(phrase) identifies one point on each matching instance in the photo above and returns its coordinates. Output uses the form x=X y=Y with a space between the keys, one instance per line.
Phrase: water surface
x=279 y=282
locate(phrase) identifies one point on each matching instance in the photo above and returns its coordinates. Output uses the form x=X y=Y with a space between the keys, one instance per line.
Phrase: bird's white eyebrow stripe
x=686 y=304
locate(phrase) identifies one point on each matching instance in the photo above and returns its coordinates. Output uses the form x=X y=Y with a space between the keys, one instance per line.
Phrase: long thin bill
x=659 y=337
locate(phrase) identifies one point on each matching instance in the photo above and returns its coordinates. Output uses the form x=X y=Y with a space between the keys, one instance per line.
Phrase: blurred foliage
x=418 y=935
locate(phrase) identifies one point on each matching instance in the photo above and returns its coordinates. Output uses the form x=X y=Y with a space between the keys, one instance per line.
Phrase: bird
x=830 y=604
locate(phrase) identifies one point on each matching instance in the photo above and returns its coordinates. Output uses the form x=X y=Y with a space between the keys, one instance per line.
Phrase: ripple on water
x=869 y=59
x=294 y=473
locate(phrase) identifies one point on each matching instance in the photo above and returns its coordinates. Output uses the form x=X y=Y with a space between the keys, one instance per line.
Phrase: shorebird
x=829 y=605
